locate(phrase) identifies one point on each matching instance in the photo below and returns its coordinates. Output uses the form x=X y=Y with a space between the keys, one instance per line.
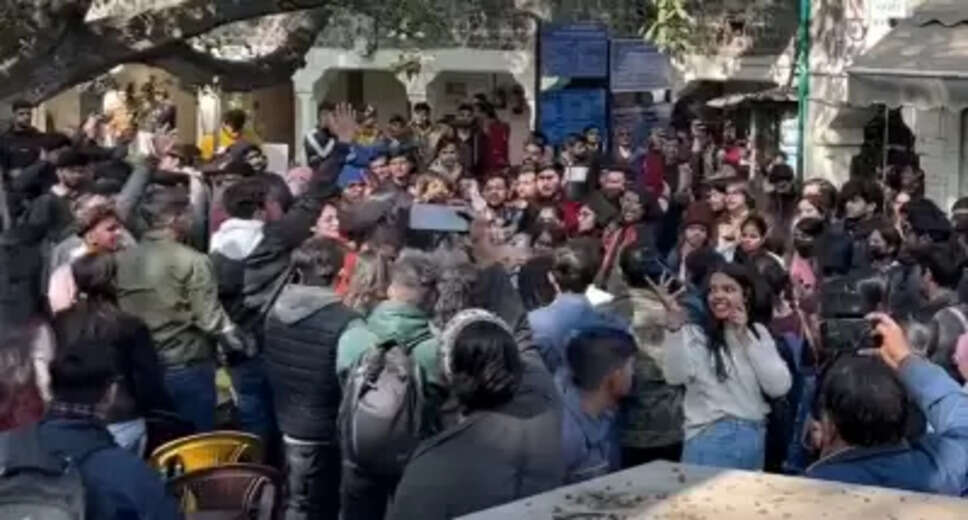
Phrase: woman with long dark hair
x=141 y=387
x=727 y=365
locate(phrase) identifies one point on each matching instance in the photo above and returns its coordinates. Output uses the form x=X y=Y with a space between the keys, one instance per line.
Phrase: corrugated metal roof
x=945 y=12
x=918 y=50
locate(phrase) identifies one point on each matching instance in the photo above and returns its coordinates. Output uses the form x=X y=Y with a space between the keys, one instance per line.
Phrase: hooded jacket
x=234 y=241
x=392 y=320
x=302 y=333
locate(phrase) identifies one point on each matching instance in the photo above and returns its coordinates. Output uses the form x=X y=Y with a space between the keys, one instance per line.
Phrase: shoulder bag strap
x=960 y=315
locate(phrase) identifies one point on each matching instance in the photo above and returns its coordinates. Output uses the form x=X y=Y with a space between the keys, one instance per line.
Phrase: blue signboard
x=570 y=111
x=639 y=114
x=637 y=66
x=574 y=51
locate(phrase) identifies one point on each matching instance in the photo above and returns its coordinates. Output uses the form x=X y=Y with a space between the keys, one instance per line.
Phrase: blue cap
x=349 y=175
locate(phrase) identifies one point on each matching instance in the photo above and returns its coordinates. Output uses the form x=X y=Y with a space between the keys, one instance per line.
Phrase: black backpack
x=381 y=415
x=36 y=484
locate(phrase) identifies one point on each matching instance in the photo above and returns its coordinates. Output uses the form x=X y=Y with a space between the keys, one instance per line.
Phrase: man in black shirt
x=20 y=145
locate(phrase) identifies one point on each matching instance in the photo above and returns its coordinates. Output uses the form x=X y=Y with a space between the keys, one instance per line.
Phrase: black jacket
x=142 y=389
x=302 y=333
x=21 y=148
x=324 y=139
x=491 y=458
x=21 y=264
x=267 y=268
x=117 y=484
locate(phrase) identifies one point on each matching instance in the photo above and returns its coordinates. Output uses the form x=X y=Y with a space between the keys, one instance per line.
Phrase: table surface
x=215 y=515
x=663 y=490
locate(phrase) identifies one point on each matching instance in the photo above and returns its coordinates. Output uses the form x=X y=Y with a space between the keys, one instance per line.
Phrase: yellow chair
x=206 y=450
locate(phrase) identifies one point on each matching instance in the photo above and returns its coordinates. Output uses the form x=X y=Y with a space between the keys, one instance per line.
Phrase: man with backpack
x=69 y=465
x=302 y=332
x=392 y=387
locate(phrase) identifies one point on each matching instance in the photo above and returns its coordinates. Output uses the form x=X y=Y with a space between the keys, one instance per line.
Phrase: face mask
x=804 y=248
x=878 y=253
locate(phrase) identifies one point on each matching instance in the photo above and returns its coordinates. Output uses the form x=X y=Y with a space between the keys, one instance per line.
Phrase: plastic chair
x=206 y=450
x=164 y=427
x=233 y=491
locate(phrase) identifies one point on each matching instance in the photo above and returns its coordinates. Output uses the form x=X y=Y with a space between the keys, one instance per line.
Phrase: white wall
x=939 y=140
x=322 y=78
x=481 y=83
x=381 y=89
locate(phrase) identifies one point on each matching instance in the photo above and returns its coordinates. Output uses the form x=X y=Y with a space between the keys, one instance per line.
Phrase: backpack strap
x=413 y=343
x=407 y=346
x=960 y=315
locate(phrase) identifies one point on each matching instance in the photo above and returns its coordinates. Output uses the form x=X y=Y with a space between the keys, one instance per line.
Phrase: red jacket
x=653 y=171
x=498 y=137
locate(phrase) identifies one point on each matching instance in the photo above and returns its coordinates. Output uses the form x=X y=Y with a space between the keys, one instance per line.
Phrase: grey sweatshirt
x=753 y=366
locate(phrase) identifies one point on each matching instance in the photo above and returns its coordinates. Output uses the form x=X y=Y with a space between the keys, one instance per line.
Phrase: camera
x=845 y=301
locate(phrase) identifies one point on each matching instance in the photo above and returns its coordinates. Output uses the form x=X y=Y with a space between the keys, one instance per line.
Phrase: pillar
x=305 y=119
x=526 y=80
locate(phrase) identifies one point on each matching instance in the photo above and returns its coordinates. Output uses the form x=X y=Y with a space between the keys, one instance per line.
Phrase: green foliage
x=725 y=27
x=670 y=26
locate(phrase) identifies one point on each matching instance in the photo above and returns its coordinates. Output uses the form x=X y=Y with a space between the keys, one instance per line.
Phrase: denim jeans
x=192 y=389
x=365 y=496
x=130 y=435
x=256 y=411
x=312 y=480
x=728 y=443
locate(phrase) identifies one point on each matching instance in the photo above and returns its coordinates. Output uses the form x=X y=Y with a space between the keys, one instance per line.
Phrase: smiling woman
x=727 y=367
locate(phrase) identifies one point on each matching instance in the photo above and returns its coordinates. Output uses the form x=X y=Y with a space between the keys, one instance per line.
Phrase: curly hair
x=415 y=275
x=454 y=285
x=368 y=285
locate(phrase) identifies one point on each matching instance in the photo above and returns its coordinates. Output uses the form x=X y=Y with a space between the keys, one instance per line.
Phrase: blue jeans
x=728 y=443
x=256 y=411
x=192 y=389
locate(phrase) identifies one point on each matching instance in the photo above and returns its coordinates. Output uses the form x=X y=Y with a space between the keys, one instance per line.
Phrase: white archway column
x=526 y=80
x=305 y=120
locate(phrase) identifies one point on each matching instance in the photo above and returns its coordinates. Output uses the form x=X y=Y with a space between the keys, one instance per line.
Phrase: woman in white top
x=728 y=366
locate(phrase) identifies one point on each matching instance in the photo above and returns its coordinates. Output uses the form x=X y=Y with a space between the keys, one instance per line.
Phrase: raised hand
x=342 y=122
x=163 y=142
x=894 y=346
x=675 y=314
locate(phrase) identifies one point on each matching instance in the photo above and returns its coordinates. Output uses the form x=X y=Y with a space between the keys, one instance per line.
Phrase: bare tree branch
x=195 y=67
x=81 y=51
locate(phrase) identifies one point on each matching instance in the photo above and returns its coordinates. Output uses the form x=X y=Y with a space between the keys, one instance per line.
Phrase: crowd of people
x=417 y=328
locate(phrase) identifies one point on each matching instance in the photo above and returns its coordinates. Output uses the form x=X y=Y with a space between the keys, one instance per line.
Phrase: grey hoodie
x=298 y=302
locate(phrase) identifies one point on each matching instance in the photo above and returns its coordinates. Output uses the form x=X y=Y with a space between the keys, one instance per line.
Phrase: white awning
x=923 y=62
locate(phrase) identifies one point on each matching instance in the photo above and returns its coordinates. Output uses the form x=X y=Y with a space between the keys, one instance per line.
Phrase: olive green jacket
x=172 y=288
